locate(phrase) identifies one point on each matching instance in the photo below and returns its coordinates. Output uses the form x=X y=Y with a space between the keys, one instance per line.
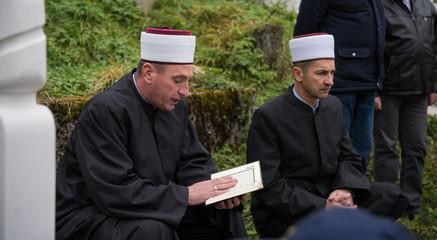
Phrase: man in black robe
x=307 y=159
x=134 y=167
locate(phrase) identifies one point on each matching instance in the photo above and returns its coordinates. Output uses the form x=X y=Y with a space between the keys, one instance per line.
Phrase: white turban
x=312 y=47
x=167 y=46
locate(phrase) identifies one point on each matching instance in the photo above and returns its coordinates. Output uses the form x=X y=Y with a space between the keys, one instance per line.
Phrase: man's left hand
x=432 y=98
x=231 y=202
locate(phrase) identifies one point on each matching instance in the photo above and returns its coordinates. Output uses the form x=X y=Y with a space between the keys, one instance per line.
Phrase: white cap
x=167 y=46
x=312 y=47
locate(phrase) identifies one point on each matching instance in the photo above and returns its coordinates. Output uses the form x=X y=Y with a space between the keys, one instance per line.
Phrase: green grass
x=84 y=38
x=87 y=38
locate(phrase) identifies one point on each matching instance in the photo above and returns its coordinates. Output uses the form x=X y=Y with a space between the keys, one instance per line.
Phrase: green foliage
x=272 y=89
x=85 y=36
x=225 y=37
x=85 y=31
x=432 y=128
x=230 y=156
x=211 y=78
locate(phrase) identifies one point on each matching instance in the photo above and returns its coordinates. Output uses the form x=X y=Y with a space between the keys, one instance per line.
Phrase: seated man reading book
x=134 y=167
x=307 y=159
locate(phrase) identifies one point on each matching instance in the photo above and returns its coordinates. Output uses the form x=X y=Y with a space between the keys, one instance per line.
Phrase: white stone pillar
x=291 y=5
x=146 y=5
x=27 y=130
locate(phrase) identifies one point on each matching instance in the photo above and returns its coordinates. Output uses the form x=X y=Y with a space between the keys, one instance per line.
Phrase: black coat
x=114 y=166
x=358 y=27
x=303 y=157
x=411 y=48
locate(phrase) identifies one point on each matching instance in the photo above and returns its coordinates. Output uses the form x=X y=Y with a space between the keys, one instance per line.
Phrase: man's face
x=168 y=87
x=315 y=80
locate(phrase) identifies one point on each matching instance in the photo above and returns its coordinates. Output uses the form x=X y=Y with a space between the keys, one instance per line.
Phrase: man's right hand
x=378 y=104
x=199 y=192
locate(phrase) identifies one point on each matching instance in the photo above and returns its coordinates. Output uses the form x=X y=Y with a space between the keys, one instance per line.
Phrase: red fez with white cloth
x=312 y=47
x=165 y=45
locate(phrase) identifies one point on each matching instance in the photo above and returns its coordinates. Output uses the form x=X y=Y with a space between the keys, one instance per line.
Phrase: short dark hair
x=303 y=65
x=159 y=66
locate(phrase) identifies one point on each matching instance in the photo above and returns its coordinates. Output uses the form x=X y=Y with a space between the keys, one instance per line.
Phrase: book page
x=246 y=177
x=249 y=179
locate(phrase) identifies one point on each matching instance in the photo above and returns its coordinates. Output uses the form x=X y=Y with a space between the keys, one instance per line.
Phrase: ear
x=147 y=72
x=298 y=74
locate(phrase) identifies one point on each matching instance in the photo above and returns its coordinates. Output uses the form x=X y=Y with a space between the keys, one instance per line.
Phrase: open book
x=249 y=180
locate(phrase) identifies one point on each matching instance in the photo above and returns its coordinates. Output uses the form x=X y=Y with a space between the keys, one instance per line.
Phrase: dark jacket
x=358 y=27
x=411 y=48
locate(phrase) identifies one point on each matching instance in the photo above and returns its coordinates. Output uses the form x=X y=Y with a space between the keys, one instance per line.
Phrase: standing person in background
x=358 y=27
x=134 y=167
x=409 y=87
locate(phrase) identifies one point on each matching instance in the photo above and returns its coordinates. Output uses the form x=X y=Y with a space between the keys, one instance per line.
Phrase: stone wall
x=219 y=116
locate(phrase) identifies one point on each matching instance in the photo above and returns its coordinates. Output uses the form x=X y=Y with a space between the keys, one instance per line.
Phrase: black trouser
x=201 y=223
x=402 y=118
x=214 y=224
x=385 y=199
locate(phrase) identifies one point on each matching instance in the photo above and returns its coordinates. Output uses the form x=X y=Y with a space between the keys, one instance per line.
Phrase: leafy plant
x=84 y=37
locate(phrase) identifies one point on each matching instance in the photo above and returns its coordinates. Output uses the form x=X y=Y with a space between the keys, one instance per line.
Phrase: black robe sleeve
x=350 y=171
x=196 y=163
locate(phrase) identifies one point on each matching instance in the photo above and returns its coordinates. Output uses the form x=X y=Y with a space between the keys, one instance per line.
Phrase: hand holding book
x=249 y=180
x=231 y=202
x=199 y=192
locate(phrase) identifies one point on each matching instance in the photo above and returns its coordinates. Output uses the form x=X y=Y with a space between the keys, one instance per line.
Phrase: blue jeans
x=358 y=114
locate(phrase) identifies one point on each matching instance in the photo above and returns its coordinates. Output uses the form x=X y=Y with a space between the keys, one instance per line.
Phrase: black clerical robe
x=126 y=160
x=304 y=156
